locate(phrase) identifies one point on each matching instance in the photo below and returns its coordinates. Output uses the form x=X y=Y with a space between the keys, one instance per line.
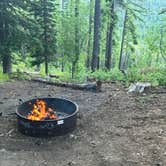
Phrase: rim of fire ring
x=68 y=116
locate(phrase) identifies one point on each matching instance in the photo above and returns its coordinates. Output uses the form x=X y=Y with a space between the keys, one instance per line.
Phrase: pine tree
x=77 y=41
x=109 y=37
x=88 y=60
x=133 y=12
x=162 y=36
x=96 y=41
x=45 y=15
x=12 y=30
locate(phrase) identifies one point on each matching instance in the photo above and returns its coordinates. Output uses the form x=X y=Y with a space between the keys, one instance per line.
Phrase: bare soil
x=115 y=128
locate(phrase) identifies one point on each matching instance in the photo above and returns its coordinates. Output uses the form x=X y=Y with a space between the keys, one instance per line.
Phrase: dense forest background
x=122 y=40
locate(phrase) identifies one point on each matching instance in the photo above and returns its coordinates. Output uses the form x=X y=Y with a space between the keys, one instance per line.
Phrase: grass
x=156 y=76
x=4 y=77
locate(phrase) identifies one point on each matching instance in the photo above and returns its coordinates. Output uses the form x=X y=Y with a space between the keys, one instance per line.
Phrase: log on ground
x=95 y=86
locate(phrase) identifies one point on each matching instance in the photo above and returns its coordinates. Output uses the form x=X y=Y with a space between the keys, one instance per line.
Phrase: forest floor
x=115 y=128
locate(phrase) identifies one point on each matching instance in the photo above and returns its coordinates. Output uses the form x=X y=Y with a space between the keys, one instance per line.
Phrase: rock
x=38 y=142
x=10 y=132
x=93 y=144
x=138 y=87
x=158 y=164
x=71 y=163
x=1 y=135
x=72 y=136
x=79 y=116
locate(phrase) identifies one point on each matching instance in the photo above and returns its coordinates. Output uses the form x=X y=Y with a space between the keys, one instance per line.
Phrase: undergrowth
x=156 y=76
x=4 y=77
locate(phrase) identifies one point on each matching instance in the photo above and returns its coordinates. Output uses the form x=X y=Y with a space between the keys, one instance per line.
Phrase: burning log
x=95 y=86
x=41 y=112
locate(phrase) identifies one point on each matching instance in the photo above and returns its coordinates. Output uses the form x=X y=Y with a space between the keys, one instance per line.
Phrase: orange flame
x=41 y=112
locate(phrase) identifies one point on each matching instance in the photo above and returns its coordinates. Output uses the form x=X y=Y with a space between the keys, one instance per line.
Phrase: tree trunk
x=45 y=17
x=62 y=55
x=89 y=37
x=6 y=63
x=62 y=66
x=122 y=42
x=161 y=41
x=38 y=67
x=98 y=63
x=73 y=70
x=109 y=42
x=77 y=51
x=46 y=64
x=96 y=41
x=4 y=36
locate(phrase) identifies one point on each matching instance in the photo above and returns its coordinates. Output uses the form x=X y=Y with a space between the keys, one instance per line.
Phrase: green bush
x=114 y=74
x=4 y=77
x=156 y=76
x=19 y=75
x=133 y=75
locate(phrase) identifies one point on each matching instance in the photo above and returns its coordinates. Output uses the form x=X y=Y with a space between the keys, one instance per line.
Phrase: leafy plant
x=4 y=77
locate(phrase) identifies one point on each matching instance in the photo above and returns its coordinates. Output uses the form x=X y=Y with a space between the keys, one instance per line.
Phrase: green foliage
x=23 y=28
x=4 y=77
x=43 y=31
x=132 y=75
x=19 y=76
x=156 y=76
x=66 y=31
x=12 y=24
x=114 y=75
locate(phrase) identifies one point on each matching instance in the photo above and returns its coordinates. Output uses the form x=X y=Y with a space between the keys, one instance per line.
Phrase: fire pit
x=46 y=116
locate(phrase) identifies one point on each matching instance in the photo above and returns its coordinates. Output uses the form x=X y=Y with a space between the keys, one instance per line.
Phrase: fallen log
x=96 y=86
x=53 y=76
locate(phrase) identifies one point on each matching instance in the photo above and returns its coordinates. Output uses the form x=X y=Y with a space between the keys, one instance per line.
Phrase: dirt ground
x=115 y=128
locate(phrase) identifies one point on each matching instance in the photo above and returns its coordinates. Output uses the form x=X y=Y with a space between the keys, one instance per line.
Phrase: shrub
x=4 y=77
x=114 y=75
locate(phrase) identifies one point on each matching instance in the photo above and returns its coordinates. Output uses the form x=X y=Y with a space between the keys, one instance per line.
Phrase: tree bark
x=96 y=41
x=6 y=63
x=45 y=17
x=89 y=37
x=77 y=44
x=4 y=36
x=122 y=42
x=161 y=41
x=62 y=55
x=62 y=66
x=109 y=41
